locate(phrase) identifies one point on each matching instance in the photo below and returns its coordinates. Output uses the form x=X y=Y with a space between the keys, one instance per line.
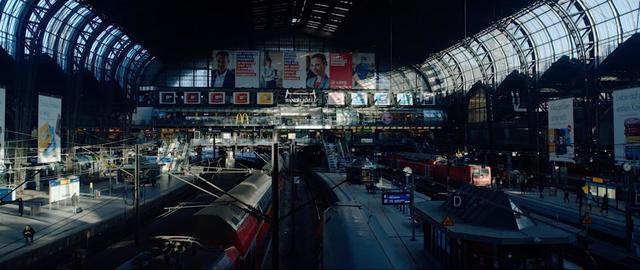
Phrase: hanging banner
x=405 y=99
x=167 y=97
x=3 y=103
x=295 y=69
x=223 y=69
x=265 y=98
x=247 y=69
x=191 y=97
x=359 y=99
x=626 y=125
x=241 y=98
x=382 y=99
x=49 y=117
x=216 y=98
x=335 y=99
x=364 y=70
x=318 y=71
x=272 y=66
x=561 y=144
x=340 y=67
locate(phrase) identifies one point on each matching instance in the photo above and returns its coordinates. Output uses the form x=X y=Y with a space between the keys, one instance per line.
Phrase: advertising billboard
x=363 y=67
x=340 y=70
x=3 y=102
x=318 y=71
x=272 y=68
x=427 y=99
x=335 y=99
x=63 y=188
x=216 y=98
x=167 y=97
x=295 y=69
x=247 y=69
x=265 y=98
x=49 y=117
x=241 y=98
x=223 y=73
x=626 y=125
x=404 y=99
x=359 y=99
x=382 y=99
x=561 y=129
x=191 y=97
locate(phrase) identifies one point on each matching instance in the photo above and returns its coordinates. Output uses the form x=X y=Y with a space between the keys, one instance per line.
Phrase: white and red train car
x=430 y=167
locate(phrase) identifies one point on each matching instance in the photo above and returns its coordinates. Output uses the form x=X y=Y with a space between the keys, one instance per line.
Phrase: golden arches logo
x=242 y=118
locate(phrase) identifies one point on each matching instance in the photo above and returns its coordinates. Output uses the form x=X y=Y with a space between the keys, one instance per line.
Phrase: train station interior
x=320 y=134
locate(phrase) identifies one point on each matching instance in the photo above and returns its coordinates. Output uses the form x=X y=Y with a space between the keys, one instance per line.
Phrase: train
x=436 y=168
x=226 y=234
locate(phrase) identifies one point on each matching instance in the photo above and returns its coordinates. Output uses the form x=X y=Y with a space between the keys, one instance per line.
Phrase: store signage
x=359 y=99
x=191 y=97
x=382 y=99
x=265 y=98
x=396 y=198
x=241 y=98
x=167 y=97
x=335 y=99
x=216 y=98
x=300 y=97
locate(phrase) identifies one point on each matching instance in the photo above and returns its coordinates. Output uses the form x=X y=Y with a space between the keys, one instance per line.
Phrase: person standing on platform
x=28 y=233
x=20 y=206
x=541 y=188
x=604 y=207
x=566 y=195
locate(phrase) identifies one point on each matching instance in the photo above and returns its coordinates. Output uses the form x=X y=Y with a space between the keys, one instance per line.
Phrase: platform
x=61 y=228
x=391 y=228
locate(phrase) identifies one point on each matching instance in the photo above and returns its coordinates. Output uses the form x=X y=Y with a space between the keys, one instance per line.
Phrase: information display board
x=396 y=198
x=63 y=188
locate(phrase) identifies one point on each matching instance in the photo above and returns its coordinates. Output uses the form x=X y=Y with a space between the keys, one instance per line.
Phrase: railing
x=285 y=122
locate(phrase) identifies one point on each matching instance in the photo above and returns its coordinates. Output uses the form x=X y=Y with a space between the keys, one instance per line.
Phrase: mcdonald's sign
x=242 y=119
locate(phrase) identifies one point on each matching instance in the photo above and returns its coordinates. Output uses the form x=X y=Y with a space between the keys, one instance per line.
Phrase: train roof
x=249 y=191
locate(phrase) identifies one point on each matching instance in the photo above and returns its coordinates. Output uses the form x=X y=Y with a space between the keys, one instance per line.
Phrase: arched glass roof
x=72 y=35
x=531 y=40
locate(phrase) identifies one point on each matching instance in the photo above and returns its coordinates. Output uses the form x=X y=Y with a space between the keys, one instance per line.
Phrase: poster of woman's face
x=271 y=69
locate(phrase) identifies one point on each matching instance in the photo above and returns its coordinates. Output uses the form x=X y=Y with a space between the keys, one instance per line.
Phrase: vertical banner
x=295 y=66
x=626 y=125
x=3 y=103
x=223 y=69
x=247 y=69
x=364 y=67
x=49 y=117
x=272 y=68
x=318 y=71
x=191 y=97
x=561 y=129
x=340 y=67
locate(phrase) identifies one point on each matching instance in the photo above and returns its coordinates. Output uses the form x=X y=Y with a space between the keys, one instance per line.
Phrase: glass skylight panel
x=9 y=22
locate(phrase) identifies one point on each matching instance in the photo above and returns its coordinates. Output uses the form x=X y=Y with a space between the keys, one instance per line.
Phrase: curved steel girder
x=59 y=36
x=118 y=60
x=458 y=81
x=101 y=62
x=130 y=68
x=110 y=49
x=614 y=9
x=571 y=27
x=417 y=70
x=502 y=27
x=483 y=69
x=140 y=70
x=87 y=50
x=74 y=39
x=35 y=44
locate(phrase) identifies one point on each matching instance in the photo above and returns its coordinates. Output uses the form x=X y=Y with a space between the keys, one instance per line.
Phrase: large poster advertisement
x=561 y=144
x=626 y=125
x=49 y=117
x=272 y=67
x=364 y=66
x=318 y=71
x=295 y=69
x=2 y=127
x=340 y=67
x=223 y=69
x=247 y=69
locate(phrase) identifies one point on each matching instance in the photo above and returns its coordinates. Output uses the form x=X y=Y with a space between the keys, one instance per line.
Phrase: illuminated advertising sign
x=341 y=75
x=318 y=71
x=359 y=99
x=382 y=99
x=265 y=98
x=247 y=69
x=561 y=129
x=191 y=97
x=167 y=97
x=49 y=117
x=300 y=97
x=223 y=73
x=626 y=125
x=272 y=67
x=295 y=69
x=364 y=70
x=404 y=99
x=335 y=99
x=241 y=98
x=216 y=98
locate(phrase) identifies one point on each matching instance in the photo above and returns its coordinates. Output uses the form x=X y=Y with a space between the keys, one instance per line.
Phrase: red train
x=223 y=235
x=427 y=166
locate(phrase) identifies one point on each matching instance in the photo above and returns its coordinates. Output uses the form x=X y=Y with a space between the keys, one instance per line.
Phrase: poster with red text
x=340 y=70
x=247 y=69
